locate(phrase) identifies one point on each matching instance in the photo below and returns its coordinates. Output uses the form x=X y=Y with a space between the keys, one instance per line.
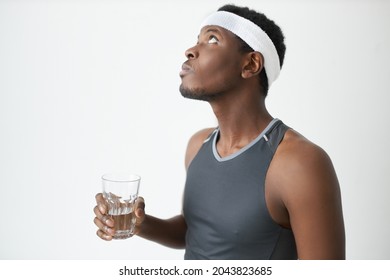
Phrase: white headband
x=251 y=34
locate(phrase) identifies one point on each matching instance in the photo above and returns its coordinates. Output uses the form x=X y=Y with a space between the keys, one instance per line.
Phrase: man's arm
x=170 y=232
x=307 y=185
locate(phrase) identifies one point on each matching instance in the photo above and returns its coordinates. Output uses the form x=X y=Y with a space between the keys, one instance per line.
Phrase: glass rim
x=121 y=177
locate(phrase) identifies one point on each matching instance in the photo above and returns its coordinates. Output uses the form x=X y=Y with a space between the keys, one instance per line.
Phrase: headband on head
x=251 y=34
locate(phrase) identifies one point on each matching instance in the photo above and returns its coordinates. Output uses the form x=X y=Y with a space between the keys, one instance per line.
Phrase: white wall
x=88 y=87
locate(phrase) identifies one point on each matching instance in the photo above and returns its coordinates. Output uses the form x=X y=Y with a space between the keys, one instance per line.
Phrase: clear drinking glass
x=120 y=191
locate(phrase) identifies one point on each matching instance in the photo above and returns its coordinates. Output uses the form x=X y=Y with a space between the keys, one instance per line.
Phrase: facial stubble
x=197 y=94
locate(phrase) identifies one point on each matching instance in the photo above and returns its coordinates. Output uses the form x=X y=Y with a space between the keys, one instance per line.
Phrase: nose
x=192 y=53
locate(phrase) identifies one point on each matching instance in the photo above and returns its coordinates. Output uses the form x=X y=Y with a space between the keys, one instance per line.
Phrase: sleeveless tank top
x=224 y=202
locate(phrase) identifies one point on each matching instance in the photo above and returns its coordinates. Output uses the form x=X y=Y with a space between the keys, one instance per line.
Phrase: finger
x=99 y=214
x=101 y=202
x=140 y=202
x=103 y=235
x=99 y=198
x=140 y=210
x=104 y=219
x=140 y=207
x=109 y=231
x=140 y=216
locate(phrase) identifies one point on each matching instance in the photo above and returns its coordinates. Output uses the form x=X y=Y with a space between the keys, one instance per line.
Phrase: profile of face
x=213 y=65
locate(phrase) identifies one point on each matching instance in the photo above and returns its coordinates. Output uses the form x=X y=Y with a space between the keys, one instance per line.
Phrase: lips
x=185 y=69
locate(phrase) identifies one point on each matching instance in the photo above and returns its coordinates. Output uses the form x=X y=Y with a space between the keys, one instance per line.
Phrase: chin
x=196 y=93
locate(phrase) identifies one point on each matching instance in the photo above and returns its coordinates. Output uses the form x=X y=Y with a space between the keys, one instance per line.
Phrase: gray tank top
x=224 y=202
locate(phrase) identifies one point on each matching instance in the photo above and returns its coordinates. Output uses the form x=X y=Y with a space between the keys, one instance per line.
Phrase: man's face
x=213 y=66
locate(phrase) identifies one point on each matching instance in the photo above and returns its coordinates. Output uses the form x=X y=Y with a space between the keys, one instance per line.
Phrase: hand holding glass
x=120 y=192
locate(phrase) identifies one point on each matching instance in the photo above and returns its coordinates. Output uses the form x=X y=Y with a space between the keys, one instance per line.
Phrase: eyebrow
x=213 y=30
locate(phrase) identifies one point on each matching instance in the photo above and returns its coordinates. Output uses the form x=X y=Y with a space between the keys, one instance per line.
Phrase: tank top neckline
x=243 y=149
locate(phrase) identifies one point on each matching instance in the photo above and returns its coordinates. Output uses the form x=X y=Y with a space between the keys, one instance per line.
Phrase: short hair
x=269 y=27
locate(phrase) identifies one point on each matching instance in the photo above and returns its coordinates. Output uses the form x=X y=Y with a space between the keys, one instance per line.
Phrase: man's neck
x=240 y=121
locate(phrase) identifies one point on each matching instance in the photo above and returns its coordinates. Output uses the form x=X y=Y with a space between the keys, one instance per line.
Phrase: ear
x=253 y=64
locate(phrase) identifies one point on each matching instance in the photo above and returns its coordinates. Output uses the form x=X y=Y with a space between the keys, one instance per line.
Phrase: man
x=255 y=188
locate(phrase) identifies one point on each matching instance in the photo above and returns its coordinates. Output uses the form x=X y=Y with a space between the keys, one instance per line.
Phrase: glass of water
x=120 y=190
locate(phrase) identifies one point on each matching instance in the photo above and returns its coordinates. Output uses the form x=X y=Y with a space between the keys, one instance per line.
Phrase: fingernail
x=140 y=212
x=107 y=237
x=109 y=222
x=108 y=230
x=102 y=208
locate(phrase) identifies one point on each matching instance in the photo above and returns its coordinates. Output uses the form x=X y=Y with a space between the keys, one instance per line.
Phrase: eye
x=213 y=40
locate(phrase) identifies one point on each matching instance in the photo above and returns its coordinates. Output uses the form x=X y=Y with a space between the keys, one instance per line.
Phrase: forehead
x=224 y=33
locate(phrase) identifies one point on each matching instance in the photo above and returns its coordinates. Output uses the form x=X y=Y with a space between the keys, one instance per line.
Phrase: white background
x=88 y=87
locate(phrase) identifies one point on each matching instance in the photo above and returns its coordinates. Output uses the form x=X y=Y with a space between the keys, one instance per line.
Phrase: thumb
x=140 y=207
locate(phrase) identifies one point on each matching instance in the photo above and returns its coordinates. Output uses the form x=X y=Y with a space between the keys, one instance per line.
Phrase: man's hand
x=105 y=223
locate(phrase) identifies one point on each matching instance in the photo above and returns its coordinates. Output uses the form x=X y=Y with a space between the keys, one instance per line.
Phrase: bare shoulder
x=297 y=151
x=301 y=165
x=195 y=143
x=303 y=182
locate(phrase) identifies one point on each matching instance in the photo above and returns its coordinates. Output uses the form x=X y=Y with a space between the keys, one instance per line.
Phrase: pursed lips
x=185 y=69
